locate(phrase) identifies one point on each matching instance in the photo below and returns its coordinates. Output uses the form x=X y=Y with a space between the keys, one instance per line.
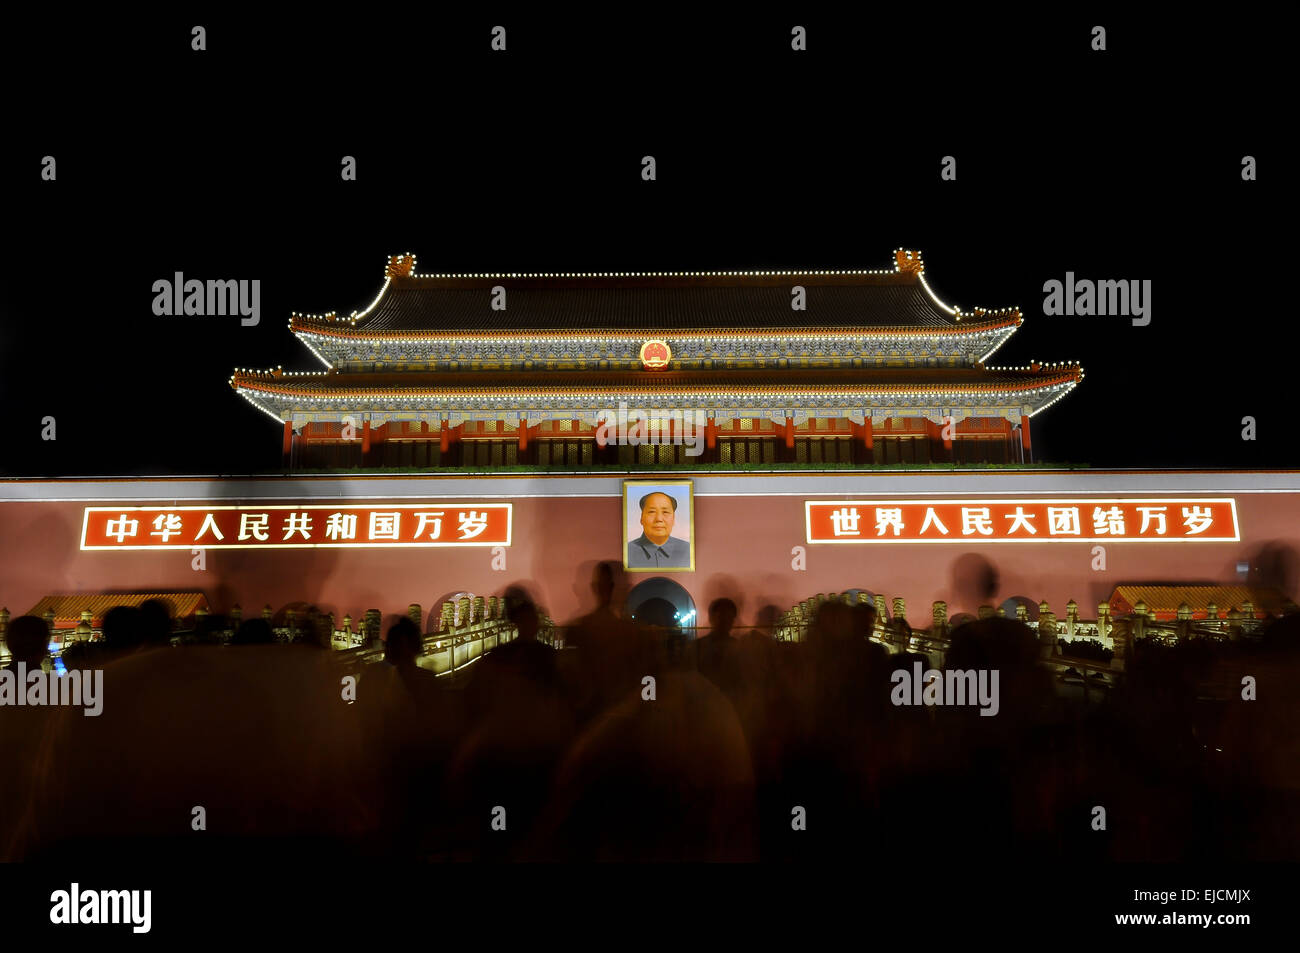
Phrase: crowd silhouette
x=629 y=740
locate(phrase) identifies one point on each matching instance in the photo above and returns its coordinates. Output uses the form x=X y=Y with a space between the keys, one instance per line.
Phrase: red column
x=947 y=438
x=444 y=438
x=523 y=438
x=710 y=435
x=287 y=448
x=1024 y=433
x=867 y=455
x=789 y=433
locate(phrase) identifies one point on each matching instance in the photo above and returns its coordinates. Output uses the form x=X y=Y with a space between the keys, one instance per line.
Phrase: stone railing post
x=939 y=619
x=1047 y=630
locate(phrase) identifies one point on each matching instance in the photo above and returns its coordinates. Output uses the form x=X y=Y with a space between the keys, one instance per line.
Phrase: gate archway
x=647 y=598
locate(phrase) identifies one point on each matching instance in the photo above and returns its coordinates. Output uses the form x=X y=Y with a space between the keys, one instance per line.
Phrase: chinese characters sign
x=1014 y=521
x=296 y=527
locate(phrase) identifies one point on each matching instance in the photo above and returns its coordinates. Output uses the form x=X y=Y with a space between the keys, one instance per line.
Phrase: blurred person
x=519 y=723
x=156 y=622
x=406 y=726
x=123 y=631
x=255 y=741
x=666 y=777
x=717 y=654
x=603 y=666
x=254 y=632
x=28 y=640
x=21 y=726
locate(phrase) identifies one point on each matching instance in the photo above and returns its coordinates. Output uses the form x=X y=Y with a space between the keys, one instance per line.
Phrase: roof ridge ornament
x=909 y=262
x=400 y=266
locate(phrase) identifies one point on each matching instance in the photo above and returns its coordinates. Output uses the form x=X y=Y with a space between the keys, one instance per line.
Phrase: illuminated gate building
x=576 y=371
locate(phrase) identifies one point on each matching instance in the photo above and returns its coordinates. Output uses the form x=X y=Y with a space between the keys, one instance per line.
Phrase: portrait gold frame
x=633 y=490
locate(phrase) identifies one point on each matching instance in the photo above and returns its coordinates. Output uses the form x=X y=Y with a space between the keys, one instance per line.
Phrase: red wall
x=743 y=549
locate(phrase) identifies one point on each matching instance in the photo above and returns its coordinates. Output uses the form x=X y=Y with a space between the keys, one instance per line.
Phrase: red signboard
x=1022 y=521
x=296 y=527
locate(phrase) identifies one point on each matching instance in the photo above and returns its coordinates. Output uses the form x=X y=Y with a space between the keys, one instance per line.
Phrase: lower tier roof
x=703 y=382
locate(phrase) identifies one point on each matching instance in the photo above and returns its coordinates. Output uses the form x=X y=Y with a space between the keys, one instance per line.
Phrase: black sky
x=225 y=164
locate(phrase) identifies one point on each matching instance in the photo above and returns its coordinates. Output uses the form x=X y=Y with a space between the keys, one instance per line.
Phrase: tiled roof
x=1164 y=600
x=418 y=306
x=343 y=330
x=541 y=383
x=68 y=609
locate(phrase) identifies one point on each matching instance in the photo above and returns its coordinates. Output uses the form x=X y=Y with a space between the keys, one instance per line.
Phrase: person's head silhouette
x=28 y=639
x=403 y=644
x=253 y=632
x=722 y=616
x=602 y=583
x=156 y=621
x=123 y=629
x=521 y=611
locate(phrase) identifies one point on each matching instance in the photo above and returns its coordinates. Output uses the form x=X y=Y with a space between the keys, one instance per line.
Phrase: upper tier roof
x=412 y=305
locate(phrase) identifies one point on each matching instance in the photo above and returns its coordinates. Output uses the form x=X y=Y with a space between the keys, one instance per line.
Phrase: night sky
x=225 y=164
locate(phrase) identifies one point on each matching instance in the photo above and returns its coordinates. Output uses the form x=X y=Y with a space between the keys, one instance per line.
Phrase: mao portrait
x=658 y=525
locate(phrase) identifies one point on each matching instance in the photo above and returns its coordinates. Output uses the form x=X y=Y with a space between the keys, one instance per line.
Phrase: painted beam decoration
x=296 y=527
x=1022 y=521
